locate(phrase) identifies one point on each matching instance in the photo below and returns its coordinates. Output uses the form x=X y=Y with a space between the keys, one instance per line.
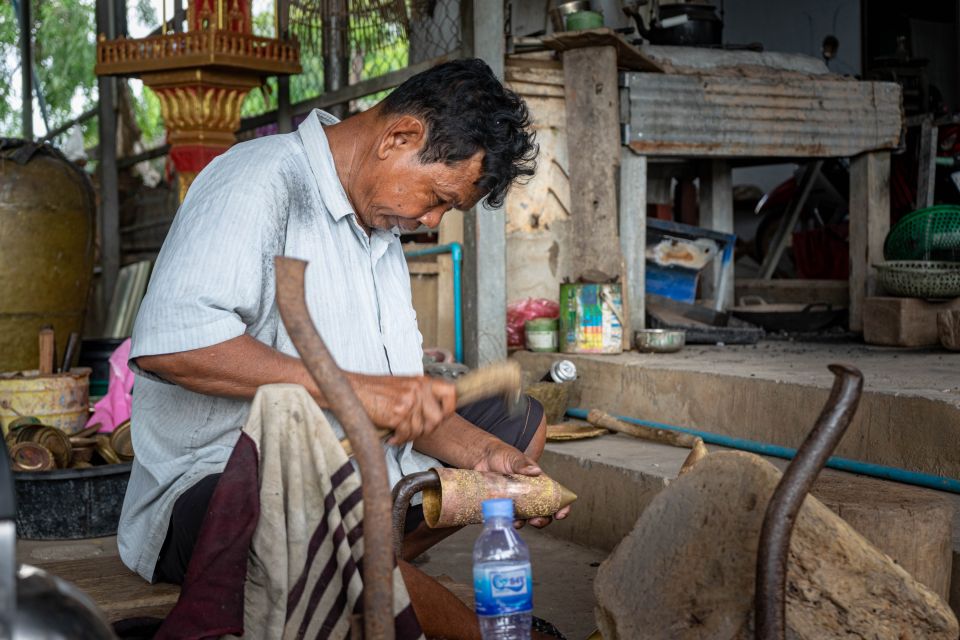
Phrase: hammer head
x=500 y=379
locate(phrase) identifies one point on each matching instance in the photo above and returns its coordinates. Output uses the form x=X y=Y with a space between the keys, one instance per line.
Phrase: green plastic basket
x=926 y=234
x=918 y=279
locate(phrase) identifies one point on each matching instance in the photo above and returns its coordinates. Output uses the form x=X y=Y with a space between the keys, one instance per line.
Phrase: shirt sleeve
x=210 y=279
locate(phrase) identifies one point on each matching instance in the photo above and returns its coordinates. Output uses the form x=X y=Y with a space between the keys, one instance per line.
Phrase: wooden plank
x=423 y=267
x=627 y=56
x=718 y=62
x=869 y=224
x=535 y=76
x=536 y=90
x=716 y=213
x=903 y=322
x=119 y=592
x=927 y=173
x=833 y=292
x=633 y=235
x=593 y=148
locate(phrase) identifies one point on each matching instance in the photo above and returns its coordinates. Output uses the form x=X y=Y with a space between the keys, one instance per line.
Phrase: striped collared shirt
x=214 y=280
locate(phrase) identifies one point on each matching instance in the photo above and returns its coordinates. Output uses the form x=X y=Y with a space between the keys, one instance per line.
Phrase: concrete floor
x=563 y=574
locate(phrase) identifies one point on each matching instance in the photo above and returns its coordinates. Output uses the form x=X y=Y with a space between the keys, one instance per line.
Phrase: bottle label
x=503 y=589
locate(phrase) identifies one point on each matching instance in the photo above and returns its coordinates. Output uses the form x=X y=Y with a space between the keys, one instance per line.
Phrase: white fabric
x=302 y=575
x=214 y=280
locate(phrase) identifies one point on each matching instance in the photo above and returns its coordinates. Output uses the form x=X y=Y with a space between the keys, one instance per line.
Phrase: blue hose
x=455 y=249
x=884 y=472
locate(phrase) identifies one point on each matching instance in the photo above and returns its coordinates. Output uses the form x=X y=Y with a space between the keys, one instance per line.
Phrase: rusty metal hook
x=787 y=499
x=378 y=561
x=403 y=492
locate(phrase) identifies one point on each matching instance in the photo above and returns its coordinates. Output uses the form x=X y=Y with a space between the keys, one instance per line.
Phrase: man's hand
x=502 y=458
x=410 y=406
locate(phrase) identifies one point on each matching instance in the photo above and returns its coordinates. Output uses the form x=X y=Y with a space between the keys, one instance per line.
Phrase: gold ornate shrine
x=201 y=76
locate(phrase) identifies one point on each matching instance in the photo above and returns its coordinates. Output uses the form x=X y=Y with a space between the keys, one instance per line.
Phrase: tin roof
x=778 y=116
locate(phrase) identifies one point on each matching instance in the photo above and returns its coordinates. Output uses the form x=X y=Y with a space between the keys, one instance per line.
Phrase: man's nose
x=432 y=219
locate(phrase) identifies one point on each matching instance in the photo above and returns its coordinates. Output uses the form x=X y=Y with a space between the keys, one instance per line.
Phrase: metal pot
x=35 y=605
x=559 y=13
x=791 y=318
x=690 y=25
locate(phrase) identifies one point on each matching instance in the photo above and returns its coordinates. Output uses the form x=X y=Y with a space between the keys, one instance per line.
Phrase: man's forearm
x=232 y=369
x=409 y=405
x=457 y=442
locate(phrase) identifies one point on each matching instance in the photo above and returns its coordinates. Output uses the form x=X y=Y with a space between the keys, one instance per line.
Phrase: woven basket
x=926 y=234
x=917 y=279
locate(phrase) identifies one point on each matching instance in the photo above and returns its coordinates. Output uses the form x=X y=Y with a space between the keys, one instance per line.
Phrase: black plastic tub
x=69 y=504
x=95 y=353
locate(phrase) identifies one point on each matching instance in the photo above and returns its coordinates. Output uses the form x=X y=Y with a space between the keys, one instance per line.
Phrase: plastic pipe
x=455 y=249
x=884 y=472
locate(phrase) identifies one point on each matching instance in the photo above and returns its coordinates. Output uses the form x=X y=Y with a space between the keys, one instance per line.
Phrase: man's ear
x=406 y=133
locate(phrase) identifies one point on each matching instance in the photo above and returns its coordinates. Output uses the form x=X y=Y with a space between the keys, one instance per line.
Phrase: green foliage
x=9 y=110
x=64 y=53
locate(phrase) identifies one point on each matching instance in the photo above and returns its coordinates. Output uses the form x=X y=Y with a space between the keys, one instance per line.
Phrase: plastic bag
x=523 y=310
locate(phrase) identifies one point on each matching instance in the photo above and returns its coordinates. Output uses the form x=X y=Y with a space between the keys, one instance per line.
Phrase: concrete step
x=772 y=392
x=616 y=476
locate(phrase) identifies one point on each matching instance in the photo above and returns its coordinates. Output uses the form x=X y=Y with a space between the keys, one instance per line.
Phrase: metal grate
x=382 y=36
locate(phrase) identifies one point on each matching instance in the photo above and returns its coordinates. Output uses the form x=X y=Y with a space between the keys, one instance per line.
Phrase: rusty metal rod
x=403 y=492
x=788 y=497
x=378 y=560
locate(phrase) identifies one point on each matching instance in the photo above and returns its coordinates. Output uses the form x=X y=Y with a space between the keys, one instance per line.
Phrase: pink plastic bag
x=113 y=409
x=528 y=309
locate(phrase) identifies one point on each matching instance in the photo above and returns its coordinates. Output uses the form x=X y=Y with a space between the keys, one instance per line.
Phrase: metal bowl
x=559 y=13
x=660 y=340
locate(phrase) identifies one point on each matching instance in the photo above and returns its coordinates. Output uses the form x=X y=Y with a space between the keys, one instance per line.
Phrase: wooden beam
x=716 y=213
x=109 y=217
x=284 y=108
x=26 y=70
x=633 y=234
x=484 y=232
x=869 y=224
x=593 y=149
x=926 y=175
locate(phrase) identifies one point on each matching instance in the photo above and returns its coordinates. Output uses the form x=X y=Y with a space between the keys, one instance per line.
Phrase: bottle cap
x=497 y=508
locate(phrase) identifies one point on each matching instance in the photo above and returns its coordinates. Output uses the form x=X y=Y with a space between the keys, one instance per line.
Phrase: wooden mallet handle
x=502 y=378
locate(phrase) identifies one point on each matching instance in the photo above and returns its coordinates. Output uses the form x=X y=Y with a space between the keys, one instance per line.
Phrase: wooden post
x=26 y=71
x=284 y=112
x=109 y=196
x=593 y=149
x=926 y=175
x=869 y=223
x=716 y=213
x=484 y=230
x=633 y=234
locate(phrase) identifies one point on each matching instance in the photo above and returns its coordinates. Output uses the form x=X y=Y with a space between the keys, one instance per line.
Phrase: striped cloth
x=287 y=510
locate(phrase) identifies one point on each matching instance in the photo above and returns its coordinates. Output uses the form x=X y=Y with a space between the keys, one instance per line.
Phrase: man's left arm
x=463 y=445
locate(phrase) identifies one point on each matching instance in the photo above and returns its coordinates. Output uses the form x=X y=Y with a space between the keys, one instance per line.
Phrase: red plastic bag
x=528 y=309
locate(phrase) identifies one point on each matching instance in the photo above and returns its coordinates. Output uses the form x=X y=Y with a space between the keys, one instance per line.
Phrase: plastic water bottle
x=502 y=580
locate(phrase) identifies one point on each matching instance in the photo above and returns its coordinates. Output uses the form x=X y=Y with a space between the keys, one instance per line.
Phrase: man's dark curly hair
x=466 y=110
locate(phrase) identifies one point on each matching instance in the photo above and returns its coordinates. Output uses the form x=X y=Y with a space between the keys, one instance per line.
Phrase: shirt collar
x=324 y=170
x=321 y=163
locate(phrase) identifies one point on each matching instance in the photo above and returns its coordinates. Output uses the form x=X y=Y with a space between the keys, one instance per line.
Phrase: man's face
x=408 y=193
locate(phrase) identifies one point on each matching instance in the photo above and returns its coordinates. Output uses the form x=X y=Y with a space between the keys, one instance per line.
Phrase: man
x=335 y=194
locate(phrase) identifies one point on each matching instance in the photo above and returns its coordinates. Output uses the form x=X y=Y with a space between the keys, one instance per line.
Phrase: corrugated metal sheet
x=672 y=115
